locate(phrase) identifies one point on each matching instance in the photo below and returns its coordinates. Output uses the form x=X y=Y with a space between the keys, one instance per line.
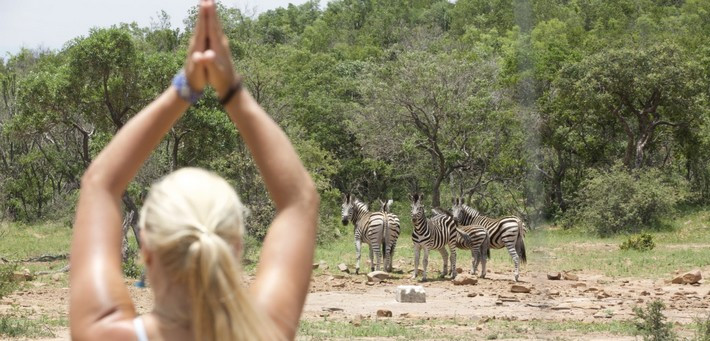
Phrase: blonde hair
x=193 y=221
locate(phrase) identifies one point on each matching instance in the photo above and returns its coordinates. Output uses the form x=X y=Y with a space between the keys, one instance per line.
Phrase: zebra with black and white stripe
x=391 y=233
x=478 y=242
x=368 y=226
x=435 y=233
x=508 y=232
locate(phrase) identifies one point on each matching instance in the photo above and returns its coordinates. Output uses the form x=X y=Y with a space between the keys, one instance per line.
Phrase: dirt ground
x=340 y=296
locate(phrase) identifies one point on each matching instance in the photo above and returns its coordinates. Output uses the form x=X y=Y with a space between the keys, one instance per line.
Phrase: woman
x=192 y=223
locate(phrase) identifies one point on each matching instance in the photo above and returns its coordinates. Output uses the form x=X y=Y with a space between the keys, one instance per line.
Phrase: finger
x=199 y=34
x=214 y=28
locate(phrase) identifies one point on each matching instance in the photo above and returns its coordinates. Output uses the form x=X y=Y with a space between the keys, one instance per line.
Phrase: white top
x=140 y=329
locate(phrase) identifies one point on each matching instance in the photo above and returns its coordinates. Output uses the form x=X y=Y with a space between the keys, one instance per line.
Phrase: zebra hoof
x=357 y=271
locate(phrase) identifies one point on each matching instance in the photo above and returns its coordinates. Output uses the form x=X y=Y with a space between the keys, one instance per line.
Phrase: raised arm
x=100 y=306
x=285 y=265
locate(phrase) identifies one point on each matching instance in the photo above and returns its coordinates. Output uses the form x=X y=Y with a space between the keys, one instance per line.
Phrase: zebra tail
x=520 y=243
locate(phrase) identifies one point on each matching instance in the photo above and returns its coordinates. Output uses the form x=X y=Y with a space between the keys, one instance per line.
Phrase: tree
x=435 y=104
x=644 y=89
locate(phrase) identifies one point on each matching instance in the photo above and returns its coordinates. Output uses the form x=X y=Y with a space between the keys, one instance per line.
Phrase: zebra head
x=457 y=208
x=346 y=212
x=417 y=208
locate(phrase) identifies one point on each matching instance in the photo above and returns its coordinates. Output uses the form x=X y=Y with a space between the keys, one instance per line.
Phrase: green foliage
x=7 y=282
x=651 y=323
x=641 y=242
x=130 y=266
x=626 y=201
x=702 y=333
x=15 y=324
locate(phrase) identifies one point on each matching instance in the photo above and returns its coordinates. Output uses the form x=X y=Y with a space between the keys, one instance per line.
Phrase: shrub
x=642 y=242
x=651 y=323
x=702 y=333
x=7 y=283
x=131 y=267
x=626 y=201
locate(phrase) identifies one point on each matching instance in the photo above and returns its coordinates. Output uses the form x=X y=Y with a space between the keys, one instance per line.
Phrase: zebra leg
x=510 y=245
x=475 y=258
x=372 y=260
x=483 y=258
x=453 y=260
x=445 y=258
x=425 y=263
x=417 y=247
x=358 y=245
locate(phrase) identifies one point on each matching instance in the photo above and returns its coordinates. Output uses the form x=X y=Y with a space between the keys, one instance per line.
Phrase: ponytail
x=193 y=219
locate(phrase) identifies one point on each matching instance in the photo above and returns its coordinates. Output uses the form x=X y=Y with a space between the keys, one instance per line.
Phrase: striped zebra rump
x=505 y=230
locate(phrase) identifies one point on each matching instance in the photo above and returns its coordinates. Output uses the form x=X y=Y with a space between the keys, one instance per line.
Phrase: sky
x=52 y=23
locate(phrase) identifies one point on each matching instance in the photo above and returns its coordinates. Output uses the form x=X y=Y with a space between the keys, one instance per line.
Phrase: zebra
x=435 y=233
x=368 y=226
x=478 y=243
x=391 y=233
x=506 y=231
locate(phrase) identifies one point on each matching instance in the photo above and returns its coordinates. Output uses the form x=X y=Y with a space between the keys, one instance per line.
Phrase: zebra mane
x=441 y=211
x=470 y=210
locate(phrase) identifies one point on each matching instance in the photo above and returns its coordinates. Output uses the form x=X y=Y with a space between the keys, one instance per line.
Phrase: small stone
x=315 y=266
x=370 y=283
x=339 y=285
x=411 y=294
x=562 y=306
x=464 y=279
x=602 y=295
x=554 y=276
x=645 y=293
x=379 y=275
x=331 y=309
x=508 y=298
x=517 y=288
x=343 y=268
x=570 y=277
x=384 y=313
x=554 y=293
x=579 y=285
x=357 y=321
x=473 y=294
x=459 y=270
x=404 y=315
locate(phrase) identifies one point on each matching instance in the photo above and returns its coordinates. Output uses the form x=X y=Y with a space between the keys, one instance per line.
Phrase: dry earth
x=340 y=296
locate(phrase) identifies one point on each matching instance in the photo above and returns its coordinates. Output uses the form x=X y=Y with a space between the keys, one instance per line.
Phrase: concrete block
x=411 y=294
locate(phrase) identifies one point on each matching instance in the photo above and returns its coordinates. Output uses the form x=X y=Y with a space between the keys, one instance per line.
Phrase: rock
x=517 y=288
x=602 y=295
x=463 y=279
x=384 y=313
x=411 y=294
x=370 y=283
x=315 y=266
x=356 y=321
x=508 y=298
x=579 y=285
x=18 y=276
x=339 y=285
x=343 y=268
x=331 y=309
x=554 y=293
x=692 y=277
x=554 y=276
x=562 y=306
x=570 y=277
x=404 y=315
x=459 y=270
x=473 y=294
x=377 y=276
x=645 y=293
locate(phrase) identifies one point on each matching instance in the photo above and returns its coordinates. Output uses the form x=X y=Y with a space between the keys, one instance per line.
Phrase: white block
x=411 y=294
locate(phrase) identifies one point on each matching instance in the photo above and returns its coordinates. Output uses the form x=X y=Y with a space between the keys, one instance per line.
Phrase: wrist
x=229 y=94
x=183 y=88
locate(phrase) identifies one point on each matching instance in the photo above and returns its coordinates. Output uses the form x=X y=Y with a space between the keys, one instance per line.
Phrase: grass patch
x=21 y=241
x=17 y=325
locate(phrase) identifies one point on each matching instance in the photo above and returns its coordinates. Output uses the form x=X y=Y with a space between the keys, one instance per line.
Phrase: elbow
x=93 y=179
x=311 y=198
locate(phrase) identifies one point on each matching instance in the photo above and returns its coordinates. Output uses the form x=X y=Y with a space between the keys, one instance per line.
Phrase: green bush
x=702 y=333
x=131 y=267
x=642 y=242
x=651 y=323
x=626 y=201
x=7 y=284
